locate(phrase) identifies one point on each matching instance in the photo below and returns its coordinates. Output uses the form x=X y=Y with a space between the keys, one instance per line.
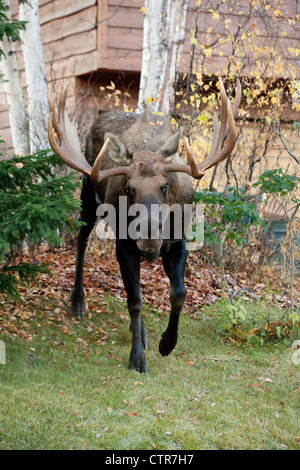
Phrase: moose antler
x=216 y=154
x=68 y=148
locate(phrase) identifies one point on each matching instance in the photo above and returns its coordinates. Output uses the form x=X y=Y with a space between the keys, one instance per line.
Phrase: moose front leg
x=129 y=261
x=88 y=215
x=174 y=263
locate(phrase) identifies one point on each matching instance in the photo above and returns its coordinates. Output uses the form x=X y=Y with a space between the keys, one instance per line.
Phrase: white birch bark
x=14 y=95
x=164 y=32
x=35 y=75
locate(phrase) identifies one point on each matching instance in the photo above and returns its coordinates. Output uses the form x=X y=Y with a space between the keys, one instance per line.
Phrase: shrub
x=35 y=205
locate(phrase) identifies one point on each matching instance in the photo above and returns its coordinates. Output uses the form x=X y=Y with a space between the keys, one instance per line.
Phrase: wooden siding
x=78 y=22
x=125 y=34
x=268 y=31
x=69 y=37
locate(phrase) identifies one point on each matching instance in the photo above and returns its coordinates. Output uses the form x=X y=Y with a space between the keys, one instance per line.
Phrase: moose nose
x=149 y=246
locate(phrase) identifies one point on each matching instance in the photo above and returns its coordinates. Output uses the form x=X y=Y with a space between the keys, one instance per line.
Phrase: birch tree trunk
x=164 y=32
x=14 y=94
x=35 y=75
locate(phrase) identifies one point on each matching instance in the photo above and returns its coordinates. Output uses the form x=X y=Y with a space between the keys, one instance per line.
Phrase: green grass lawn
x=208 y=394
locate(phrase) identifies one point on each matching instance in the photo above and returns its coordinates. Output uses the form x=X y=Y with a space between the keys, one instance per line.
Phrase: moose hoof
x=77 y=312
x=138 y=364
x=166 y=345
x=77 y=307
x=141 y=369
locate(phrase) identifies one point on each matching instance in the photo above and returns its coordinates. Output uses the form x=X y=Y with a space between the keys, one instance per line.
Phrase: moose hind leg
x=88 y=215
x=174 y=263
x=130 y=269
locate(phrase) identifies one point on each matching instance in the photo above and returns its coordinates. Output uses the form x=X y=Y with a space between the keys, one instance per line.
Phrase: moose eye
x=129 y=190
x=164 y=188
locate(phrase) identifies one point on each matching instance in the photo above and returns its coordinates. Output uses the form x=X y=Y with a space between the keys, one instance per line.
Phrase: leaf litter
x=101 y=278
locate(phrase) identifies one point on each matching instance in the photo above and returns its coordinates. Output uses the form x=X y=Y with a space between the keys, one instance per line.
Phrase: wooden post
x=102 y=32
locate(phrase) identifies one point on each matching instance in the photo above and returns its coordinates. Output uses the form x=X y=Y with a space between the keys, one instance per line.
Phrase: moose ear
x=169 y=149
x=116 y=150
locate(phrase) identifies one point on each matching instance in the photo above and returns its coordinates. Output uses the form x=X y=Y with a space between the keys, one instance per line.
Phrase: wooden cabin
x=95 y=42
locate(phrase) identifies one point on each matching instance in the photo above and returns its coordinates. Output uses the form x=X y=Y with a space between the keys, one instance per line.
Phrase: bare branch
x=277 y=130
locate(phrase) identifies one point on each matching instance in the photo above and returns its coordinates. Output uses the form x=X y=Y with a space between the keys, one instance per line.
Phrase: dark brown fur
x=142 y=135
x=137 y=156
x=145 y=143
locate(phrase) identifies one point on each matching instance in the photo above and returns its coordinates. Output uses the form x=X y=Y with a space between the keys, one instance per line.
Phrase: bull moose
x=136 y=156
